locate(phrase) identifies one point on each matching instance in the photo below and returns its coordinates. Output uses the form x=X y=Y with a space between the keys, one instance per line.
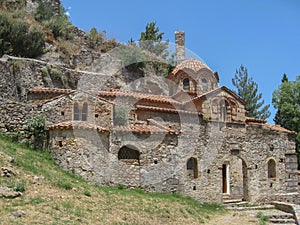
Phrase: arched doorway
x=235 y=179
x=129 y=166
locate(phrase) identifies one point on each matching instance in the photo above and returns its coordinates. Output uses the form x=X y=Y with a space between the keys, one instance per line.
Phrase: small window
x=192 y=168
x=76 y=112
x=186 y=84
x=128 y=153
x=84 y=112
x=204 y=85
x=271 y=169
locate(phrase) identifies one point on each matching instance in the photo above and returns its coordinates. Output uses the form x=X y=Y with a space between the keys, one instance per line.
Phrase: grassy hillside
x=52 y=196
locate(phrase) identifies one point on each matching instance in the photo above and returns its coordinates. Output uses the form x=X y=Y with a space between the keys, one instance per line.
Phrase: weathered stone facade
x=199 y=145
x=196 y=141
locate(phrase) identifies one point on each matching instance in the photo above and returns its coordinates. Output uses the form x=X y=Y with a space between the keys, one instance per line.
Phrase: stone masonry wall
x=14 y=117
x=162 y=165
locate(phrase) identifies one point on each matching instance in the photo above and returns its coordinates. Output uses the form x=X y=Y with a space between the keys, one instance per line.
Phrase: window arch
x=84 y=112
x=128 y=153
x=186 y=84
x=192 y=167
x=80 y=112
x=204 y=85
x=76 y=112
x=223 y=111
x=271 y=168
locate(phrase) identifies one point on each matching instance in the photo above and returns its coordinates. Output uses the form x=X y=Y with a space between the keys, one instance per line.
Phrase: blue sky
x=263 y=35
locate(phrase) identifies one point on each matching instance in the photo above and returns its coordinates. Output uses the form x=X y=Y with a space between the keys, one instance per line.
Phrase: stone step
x=249 y=207
x=230 y=201
x=282 y=221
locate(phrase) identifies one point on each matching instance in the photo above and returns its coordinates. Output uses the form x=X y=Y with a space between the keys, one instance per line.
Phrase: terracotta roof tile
x=156 y=123
x=192 y=64
x=54 y=98
x=139 y=95
x=76 y=124
x=142 y=129
x=216 y=90
x=50 y=90
x=278 y=128
x=272 y=127
x=159 y=109
x=255 y=120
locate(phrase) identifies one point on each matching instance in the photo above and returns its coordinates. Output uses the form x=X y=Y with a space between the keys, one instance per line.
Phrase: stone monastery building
x=195 y=140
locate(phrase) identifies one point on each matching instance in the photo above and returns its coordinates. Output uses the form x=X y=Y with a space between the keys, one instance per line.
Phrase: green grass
x=262 y=218
x=63 y=198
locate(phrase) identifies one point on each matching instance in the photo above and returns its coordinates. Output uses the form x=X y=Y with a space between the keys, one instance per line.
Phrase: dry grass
x=53 y=196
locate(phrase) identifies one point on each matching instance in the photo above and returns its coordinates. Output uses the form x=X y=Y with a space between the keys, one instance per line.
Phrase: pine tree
x=279 y=117
x=284 y=78
x=151 y=40
x=247 y=89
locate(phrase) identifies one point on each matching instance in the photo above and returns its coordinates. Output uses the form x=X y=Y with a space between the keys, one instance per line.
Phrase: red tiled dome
x=192 y=64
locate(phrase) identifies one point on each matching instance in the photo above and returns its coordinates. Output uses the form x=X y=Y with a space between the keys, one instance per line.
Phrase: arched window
x=192 y=167
x=223 y=111
x=186 y=84
x=128 y=153
x=84 y=112
x=76 y=112
x=271 y=168
x=80 y=113
x=204 y=85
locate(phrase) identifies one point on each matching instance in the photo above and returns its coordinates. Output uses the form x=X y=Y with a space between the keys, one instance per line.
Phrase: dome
x=192 y=64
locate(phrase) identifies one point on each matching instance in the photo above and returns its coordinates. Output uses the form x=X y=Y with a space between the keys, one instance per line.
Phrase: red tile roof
x=168 y=110
x=54 y=98
x=144 y=129
x=255 y=120
x=216 y=90
x=139 y=96
x=192 y=64
x=272 y=127
x=76 y=124
x=278 y=128
x=51 y=90
x=156 y=123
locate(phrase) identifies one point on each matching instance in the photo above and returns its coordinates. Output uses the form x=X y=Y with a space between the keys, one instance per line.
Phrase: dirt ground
x=234 y=218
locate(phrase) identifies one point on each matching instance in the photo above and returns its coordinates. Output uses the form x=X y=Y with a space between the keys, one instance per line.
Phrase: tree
x=247 y=89
x=286 y=99
x=284 y=78
x=151 y=40
x=93 y=38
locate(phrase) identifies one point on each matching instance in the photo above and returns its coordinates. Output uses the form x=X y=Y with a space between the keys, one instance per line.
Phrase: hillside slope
x=51 y=196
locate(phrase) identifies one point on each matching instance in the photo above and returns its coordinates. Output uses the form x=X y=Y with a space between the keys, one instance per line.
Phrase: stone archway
x=235 y=178
x=129 y=166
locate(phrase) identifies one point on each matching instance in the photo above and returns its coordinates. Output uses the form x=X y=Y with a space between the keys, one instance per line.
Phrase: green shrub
x=94 y=38
x=121 y=115
x=64 y=184
x=20 y=187
x=263 y=218
x=87 y=193
x=132 y=57
x=37 y=127
x=60 y=27
x=18 y=38
x=43 y=12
